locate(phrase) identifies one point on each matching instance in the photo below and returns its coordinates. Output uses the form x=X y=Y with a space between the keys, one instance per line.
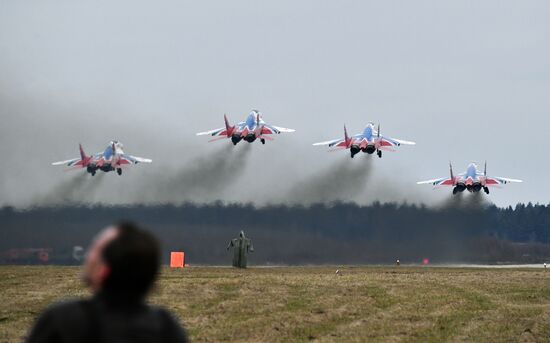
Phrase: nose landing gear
x=379 y=153
x=486 y=190
x=262 y=140
x=119 y=171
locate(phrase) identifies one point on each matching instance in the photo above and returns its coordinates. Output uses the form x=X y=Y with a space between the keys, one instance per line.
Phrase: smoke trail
x=480 y=200
x=465 y=201
x=200 y=177
x=79 y=189
x=344 y=180
x=91 y=188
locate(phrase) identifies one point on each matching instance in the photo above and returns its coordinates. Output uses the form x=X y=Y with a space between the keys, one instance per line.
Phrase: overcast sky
x=467 y=80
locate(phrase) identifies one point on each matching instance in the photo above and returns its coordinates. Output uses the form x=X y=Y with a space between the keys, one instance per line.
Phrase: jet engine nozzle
x=250 y=138
x=236 y=139
x=369 y=149
x=354 y=149
x=459 y=188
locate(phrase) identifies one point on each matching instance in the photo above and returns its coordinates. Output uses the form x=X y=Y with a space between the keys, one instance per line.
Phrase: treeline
x=335 y=233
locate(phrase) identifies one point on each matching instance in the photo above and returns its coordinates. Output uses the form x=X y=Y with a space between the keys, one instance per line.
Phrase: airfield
x=297 y=304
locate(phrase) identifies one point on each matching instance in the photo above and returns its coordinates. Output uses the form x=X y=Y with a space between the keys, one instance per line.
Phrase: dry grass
x=312 y=303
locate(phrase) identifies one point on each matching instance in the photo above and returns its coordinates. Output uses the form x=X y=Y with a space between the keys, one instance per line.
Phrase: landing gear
x=353 y=153
x=93 y=173
x=455 y=190
x=379 y=153
x=262 y=140
x=486 y=190
x=119 y=171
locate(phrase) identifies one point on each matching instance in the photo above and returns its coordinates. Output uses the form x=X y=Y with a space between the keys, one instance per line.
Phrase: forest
x=336 y=233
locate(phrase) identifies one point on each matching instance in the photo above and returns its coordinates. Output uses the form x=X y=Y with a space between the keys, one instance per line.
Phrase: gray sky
x=467 y=80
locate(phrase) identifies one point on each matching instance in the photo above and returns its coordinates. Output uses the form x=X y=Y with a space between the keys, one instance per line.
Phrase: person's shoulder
x=72 y=308
x=56 y=321
x=68 y=305
x=161 y=312
x=174 y=330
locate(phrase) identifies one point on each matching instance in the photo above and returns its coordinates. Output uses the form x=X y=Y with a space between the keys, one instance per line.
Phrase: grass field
x=313 y=303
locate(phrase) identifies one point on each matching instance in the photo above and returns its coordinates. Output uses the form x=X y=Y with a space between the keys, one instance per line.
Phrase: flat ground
x=313 y=303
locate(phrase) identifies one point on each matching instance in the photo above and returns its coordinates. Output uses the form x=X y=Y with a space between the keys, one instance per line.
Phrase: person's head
x=123 y=259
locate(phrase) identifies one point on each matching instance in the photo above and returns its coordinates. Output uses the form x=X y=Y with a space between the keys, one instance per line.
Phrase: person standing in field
x=120 y=269
x=241 y=247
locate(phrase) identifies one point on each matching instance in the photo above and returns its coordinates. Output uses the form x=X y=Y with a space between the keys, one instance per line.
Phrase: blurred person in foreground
x=120 y=269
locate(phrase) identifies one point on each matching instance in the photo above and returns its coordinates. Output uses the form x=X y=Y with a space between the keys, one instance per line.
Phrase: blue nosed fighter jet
x=472 y=180
x=368 y=141
x=111 y=159
x=254 y=127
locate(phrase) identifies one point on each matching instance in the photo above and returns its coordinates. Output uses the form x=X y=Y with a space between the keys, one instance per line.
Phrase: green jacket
x=241 y=246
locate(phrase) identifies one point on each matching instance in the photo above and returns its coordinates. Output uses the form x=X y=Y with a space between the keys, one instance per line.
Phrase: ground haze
x=284 y=304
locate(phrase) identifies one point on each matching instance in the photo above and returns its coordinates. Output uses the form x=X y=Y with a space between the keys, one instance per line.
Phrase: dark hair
x=133 y=257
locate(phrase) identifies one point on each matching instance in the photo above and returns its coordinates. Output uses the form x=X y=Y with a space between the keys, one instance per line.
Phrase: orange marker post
x=177 y=259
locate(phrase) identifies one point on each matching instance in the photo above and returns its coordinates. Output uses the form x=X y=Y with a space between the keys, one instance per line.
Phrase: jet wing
x=271 y=129
x=135 y=159
x=388 y=141
x=496 y=181
x=404 y=142
x=444 y=181
x=68 y=163
x=332 y=143
x=216 y=132
x=282 y=129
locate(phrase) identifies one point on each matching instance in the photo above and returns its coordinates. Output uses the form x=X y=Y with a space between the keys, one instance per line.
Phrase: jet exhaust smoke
x=466 y=201
x=342 y=181
x=76 y=189
x=199 y=178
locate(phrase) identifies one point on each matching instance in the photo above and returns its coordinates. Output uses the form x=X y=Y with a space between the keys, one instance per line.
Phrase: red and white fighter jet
x=111 y=159
x=472 y=180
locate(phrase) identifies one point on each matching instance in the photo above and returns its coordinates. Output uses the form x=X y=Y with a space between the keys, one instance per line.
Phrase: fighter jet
x=254 y=127
x=472 y=180
x=369 y=141
x=113 y=158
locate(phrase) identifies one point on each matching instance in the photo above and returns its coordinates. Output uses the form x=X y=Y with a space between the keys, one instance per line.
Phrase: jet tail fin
x=346 y=137
x=451 y=171
x=82 y=153
x=485 y=169
x=228 y=127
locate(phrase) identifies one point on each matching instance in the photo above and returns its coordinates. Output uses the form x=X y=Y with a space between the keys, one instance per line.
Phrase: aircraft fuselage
x=470 y=181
